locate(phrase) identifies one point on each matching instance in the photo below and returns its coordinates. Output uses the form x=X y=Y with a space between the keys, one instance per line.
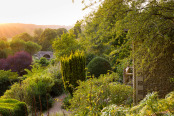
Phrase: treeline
x=11 y=29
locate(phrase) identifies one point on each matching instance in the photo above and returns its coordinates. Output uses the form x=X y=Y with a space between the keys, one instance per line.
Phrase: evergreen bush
x=12 y=107
x=43 y=61
x=98 y=66
x=73 y=69
x=6 y=80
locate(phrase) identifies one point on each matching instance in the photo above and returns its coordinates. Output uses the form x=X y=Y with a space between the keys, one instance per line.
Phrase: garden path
x=58 y=101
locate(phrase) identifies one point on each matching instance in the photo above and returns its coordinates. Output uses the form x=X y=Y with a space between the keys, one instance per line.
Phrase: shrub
x=73 y=69
x=17 y=63
x=55 y=73
x=3 y=54
x=114 y=110
x=34 y=89
x=151 y=105
x=11 y=107
x=89 y=57
x=98 y=66
x=43 y=61
x=6 y=79
x=94 y=94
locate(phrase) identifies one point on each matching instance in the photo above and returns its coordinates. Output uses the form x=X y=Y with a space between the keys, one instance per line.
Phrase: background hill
x=11 y=29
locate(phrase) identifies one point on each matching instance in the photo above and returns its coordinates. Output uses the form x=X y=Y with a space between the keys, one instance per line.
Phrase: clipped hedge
x=73 y=69
x=12 y=107
x=98 y=65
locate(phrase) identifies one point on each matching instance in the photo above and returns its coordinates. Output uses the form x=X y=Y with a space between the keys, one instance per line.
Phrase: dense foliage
x=17 y=63
x=150 y=105
x=73 y=70
x=12 y=107
x=48 y=36
x=65 y=45
x=37 y=86
x=17 y=45
x=98 y=66
x=33 y=90
x=7 y=78
x=94 y=94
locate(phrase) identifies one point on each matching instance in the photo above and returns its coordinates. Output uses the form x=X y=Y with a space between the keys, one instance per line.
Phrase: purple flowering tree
x=17 y=63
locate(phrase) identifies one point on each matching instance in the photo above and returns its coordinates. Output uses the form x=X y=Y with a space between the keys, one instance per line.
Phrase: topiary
x=89 y=57
x=73 y=69
x=12 y=107
x=97 y=66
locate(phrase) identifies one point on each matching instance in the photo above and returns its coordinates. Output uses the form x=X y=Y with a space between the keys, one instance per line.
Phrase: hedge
x=12 y=107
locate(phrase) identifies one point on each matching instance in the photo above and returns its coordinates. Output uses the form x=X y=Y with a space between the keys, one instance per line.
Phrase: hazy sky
x=41 y=12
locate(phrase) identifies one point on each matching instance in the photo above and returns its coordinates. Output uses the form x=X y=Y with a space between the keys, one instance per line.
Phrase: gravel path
x=58 y=101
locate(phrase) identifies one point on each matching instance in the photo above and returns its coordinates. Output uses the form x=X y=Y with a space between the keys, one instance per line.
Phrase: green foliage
x=94 y=94
x=89 y=57
x=7 y=78
x=3 y=54
x=114 y=110
x=37 y=34
x=98 y=66
x=43 y=61
x=66 y=102
x=11 y=107
x=77 y=28
x=17 y=45
x=65 y=45
x=4 y=49
x=23 y=36
x=57 y=89
x=34 y=89
x=73 y=69
x=32 y=47
x=150 y=105
x=46 y=39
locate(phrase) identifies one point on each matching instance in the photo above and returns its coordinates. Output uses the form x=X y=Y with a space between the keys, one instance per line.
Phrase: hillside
x=11 y=29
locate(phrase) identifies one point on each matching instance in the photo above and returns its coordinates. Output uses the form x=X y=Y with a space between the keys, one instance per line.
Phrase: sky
x=42 y=12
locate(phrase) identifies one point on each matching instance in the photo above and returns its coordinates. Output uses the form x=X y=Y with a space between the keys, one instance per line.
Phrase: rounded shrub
x=89 y=57
x=97 y=66
x=43 y=61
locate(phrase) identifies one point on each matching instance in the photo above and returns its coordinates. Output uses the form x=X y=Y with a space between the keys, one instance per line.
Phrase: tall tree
x=47 y=38
x=32 y=47
x=65 y=45
x=37 y=34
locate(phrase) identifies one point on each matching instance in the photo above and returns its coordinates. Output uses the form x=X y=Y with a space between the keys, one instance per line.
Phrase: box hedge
x=12 y=107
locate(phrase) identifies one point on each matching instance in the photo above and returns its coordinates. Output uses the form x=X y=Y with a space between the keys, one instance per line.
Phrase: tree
x=23 y=36
x=47 y=38
x=17 y=45
x=73 y=69
x=65 y=45
x=37 y=34
x=3 y=38
x=100 y=29
x=32 y=47
x=4 y=49
x=77 y=28
x=17 y=63
x=60 y=31
x=151 y=28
